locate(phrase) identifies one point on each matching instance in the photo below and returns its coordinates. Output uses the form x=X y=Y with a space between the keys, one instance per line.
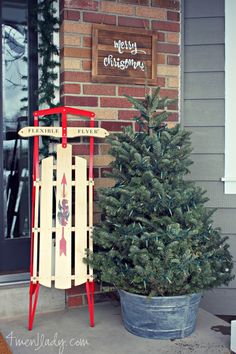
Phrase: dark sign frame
x=124 y=55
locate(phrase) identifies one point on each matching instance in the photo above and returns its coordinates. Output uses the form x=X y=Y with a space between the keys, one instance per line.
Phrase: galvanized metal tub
x=159 y=317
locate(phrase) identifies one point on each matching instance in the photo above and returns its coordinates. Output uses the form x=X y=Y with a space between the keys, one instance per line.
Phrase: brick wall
x=113 y=110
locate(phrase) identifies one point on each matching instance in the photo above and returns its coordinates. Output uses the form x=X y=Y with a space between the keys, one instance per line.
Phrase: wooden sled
x=70 y=221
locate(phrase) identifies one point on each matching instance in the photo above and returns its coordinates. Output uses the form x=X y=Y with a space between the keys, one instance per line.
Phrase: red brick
x=104 y=170
x=76 y=290
x=71 y=88
x=97 y=141
x=127 y=114
x=173 y=37
x=76 y=27
x=80 y=123
x=87 y=65
x=168 y=48
x=161 y=81
x=83 y=149
x=99 y=18
x=161 y=36
x=132 y=91
x=74 y=301
x=135 y=2
x=97 y=219
x=87 y=41
x=95 y=172
x=81 y=4
x=62 y=101
x=173 y=107
x=114 y=126
x=86 y=140
x=109 y=7
x=169 y=93
x=161 y=58
x=95 y=195
x=133 y=22
x=173 y=16
x=95 y=198
x=69 y=40
x=115 y=102
x=169 y=4
x=166 y=26
x=76 y=52
x=149 y=12
x=105 y=149
x=80 y=101
x=99 y=90
x=172 y=60
x=71 y=15
x=173 y=117
x=76 y=76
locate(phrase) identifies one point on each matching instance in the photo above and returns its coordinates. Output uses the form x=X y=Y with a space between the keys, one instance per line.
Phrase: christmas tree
x=156 y=236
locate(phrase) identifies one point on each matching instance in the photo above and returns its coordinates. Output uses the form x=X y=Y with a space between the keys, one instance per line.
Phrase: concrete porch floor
x=68 y=332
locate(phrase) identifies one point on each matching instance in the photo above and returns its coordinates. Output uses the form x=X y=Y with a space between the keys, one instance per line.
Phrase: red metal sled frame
x=34 y=286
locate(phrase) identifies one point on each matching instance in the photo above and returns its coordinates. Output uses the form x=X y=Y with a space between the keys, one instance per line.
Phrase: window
x=18 y=75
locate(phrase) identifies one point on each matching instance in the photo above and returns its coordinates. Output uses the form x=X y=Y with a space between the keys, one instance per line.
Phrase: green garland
x=47 y=26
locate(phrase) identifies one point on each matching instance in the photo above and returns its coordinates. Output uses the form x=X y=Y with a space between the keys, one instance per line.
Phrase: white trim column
x=230 y=97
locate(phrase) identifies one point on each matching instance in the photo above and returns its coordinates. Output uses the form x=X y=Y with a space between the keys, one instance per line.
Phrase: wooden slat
x=45 y=254
x=63 y=200
x=54 y=229
x=53 y=278
x=80 y=219
x=54 y=183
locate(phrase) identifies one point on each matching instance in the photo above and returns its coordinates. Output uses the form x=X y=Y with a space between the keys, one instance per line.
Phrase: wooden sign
x=124 y=55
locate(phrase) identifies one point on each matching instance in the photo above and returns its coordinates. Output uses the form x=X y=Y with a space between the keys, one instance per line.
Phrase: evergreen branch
x=47 y=25
x=137 y=104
